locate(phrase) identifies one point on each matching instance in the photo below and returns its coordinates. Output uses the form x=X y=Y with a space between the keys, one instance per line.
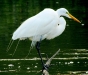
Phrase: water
x=73 y=42
x=33 y=67
x=71 y=61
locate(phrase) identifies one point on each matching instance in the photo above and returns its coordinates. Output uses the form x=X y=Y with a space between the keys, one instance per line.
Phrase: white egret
x=43 y=25
x=40 y=24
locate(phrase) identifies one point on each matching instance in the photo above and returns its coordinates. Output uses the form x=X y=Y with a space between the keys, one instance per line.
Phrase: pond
x=73 y=43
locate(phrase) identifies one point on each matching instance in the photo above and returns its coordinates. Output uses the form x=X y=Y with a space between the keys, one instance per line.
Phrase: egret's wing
x=36 y=25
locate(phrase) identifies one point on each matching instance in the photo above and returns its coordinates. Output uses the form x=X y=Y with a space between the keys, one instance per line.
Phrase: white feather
x=37 y=25
x=58 y=30
x=43 y=25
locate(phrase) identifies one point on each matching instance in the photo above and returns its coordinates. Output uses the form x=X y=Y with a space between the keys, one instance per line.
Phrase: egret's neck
x=59 y=12
x=60 y=29
x=62 y=25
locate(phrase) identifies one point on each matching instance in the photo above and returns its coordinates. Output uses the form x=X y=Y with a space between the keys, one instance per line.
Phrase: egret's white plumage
x=43 y=25
x=37 y=25
x=56 y=31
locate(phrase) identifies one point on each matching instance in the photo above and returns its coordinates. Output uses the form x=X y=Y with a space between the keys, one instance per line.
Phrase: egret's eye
x=58 y=24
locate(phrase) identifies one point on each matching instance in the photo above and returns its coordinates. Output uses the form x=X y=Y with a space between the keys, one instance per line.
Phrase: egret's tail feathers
x=15 y=48
x=9 y=45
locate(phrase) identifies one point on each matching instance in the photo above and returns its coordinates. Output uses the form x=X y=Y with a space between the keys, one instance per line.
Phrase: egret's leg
x=38 y=49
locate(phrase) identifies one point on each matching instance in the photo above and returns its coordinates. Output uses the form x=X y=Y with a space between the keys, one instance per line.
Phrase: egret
x=43 y=25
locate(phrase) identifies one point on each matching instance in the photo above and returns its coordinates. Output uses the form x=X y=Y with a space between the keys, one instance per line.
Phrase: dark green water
x=72 y=61
x=14 y=12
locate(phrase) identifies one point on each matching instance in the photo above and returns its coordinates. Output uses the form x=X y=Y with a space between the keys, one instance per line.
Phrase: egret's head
x=64 y=12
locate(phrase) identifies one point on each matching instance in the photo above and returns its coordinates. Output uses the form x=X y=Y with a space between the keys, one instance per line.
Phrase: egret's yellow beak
x=73 y=17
